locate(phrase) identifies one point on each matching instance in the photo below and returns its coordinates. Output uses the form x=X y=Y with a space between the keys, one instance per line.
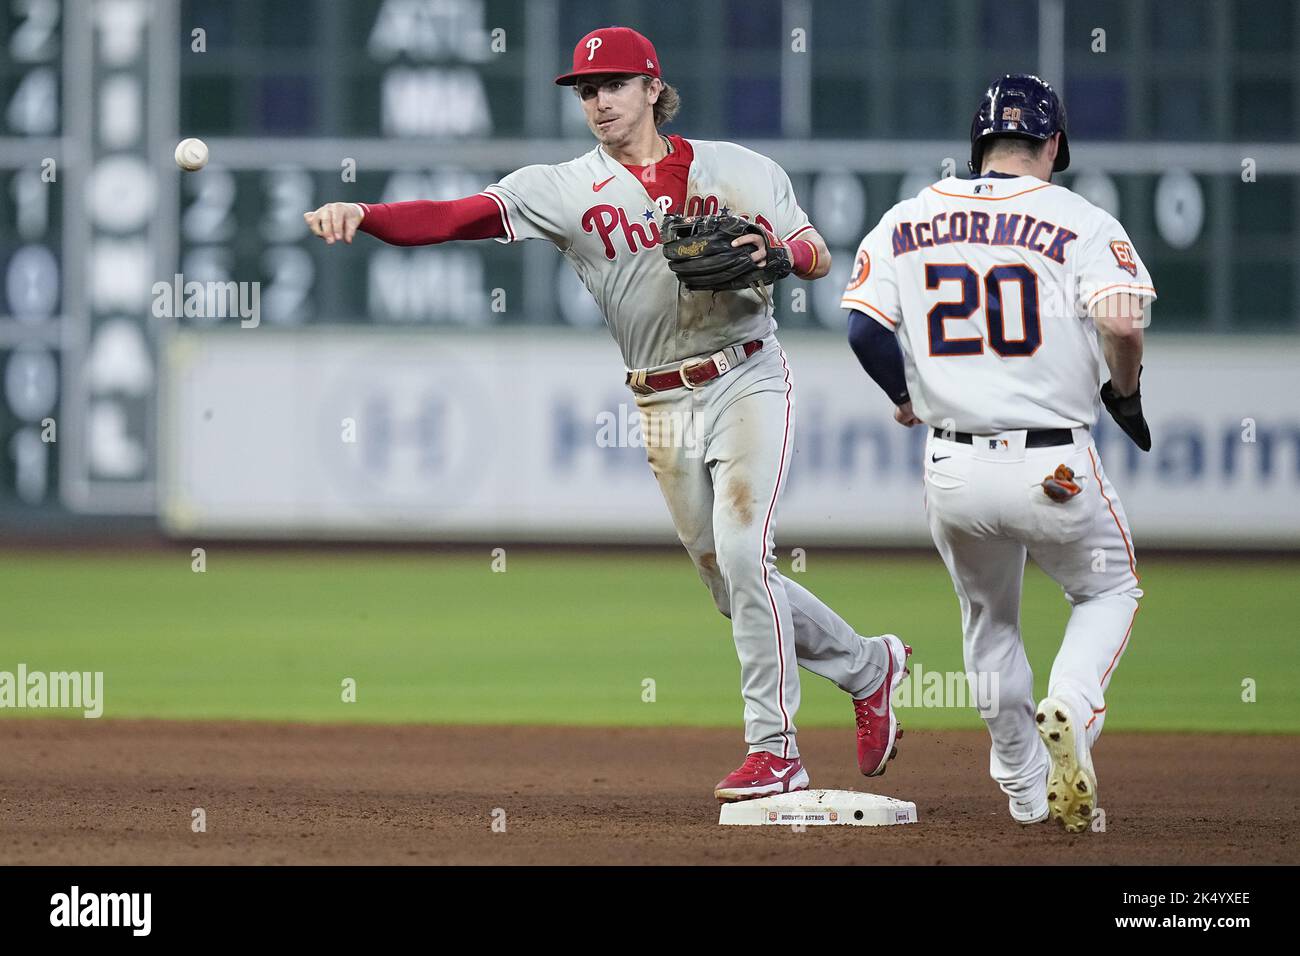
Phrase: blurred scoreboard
x=389 y=100
x=32 y=282
x=307 y=101
x=87 y=100
x=353 y=77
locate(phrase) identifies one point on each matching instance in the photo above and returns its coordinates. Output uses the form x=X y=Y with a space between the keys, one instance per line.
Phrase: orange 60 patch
x=1124 y=257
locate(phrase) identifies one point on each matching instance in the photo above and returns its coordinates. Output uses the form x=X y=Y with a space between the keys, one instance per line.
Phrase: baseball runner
x=678 y=240
x=985 y=308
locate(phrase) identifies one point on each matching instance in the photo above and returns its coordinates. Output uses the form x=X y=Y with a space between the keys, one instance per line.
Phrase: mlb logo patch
x=1124 y=257
x=983 y=187
x=996 y=443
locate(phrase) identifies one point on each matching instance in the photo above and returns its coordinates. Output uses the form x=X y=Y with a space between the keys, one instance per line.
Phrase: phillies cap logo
x=611 y=50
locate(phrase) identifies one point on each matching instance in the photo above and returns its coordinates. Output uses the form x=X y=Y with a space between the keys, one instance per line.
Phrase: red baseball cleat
x=877 y=726
x=761 y=775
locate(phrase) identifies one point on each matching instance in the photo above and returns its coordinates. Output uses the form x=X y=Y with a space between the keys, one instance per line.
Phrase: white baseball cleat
x=1029 y=804
x=1030 y=810
x=1071 y=781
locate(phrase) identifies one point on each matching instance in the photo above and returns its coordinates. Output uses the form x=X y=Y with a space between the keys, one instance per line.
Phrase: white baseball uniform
x=988 y=284
x=723 y=448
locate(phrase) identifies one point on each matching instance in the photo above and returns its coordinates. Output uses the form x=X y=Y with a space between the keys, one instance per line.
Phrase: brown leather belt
x=692 y=376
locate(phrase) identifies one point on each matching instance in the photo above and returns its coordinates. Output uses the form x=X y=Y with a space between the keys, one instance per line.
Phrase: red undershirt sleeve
x=425 y=222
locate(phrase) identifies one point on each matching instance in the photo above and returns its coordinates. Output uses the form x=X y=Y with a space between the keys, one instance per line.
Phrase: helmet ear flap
x=978 y=127
x=1062 y=154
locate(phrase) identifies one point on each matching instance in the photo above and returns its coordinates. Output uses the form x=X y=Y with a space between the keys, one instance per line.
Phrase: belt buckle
x=681 y=373
x=637 y=383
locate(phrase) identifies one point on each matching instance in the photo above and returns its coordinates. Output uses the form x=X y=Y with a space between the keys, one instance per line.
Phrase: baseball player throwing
x=693 y=317
x=984 y=308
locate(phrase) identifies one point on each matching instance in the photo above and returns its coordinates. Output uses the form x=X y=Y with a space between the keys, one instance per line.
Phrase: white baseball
x=191 y=154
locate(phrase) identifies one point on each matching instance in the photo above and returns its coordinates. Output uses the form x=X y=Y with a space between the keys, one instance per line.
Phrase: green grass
x=563 y=638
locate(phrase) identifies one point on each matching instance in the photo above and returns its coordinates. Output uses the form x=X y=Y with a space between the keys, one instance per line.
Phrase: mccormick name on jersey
x=1002 y=229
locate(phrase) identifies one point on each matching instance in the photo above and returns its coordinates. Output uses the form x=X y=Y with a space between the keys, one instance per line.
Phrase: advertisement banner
x=532 y=436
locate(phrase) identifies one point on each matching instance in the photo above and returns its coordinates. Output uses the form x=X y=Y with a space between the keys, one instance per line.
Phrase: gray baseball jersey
x=722 y=486
x=604 y=221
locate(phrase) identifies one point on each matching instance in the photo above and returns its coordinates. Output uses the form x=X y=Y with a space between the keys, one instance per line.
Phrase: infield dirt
x=125 y=792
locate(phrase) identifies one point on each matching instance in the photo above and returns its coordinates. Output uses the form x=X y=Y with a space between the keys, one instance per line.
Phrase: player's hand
x=904 y=416
x=759 y=255
x=1127 y=412
x=334 y=221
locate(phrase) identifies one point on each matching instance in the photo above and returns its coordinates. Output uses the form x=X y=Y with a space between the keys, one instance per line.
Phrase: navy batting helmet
x=1018 y=104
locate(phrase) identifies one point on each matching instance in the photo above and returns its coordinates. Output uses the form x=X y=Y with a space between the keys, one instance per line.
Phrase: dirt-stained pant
x=987 y=513
x=720 y=453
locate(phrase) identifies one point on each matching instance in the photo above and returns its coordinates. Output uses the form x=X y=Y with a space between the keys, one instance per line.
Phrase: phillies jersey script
x=988 y=283
x=605 y=221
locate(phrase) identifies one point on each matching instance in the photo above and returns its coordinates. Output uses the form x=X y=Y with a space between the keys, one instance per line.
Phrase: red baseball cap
x=612 y=50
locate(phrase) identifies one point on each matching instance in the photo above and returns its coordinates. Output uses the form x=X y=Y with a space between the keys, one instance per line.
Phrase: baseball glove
x=1061 y=485
x=699 y=250
x=1127 y=412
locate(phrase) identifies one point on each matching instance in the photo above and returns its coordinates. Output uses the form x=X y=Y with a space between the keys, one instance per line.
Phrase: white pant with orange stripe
x=722 y=486
x=987 y=512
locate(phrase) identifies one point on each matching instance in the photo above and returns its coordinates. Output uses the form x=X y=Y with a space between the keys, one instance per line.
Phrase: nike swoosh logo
x=597 y=187
x=780 y=774
x=889 y=681
x=937 y=459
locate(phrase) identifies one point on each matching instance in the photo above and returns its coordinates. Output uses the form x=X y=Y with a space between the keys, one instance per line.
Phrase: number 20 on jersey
x=971 y=288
